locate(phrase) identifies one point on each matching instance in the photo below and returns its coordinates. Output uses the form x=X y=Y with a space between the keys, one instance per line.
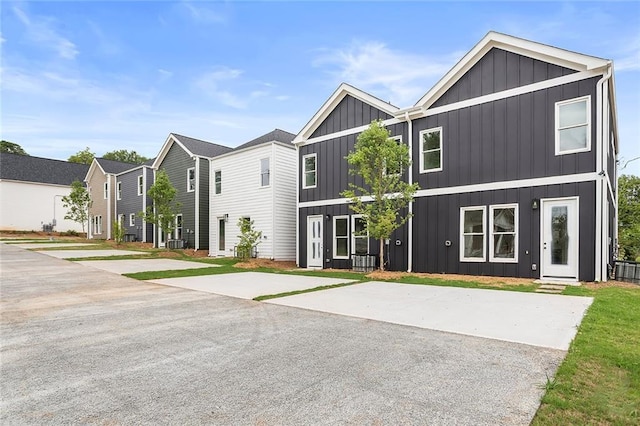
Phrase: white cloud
x=41 y=31
x=392 y=75
x=164 y=74
x=203 y=13
x=215 y=84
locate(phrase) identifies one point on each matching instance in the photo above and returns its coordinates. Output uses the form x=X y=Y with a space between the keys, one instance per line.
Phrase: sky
x=125 y=74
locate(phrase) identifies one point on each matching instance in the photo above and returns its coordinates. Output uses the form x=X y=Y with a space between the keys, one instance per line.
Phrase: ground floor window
x=221 y=232
x=178 y=231
x=472 y=234
x=132 y=219
x=96 y=224
x=359 y=235
x=499 y=232
x=341 y=237
x=504 y=239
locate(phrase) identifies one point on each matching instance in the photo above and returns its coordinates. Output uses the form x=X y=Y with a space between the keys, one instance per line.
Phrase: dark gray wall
x=349 y=113
x=204 y=203
x=500 y=70
x=131 y=202
x=176 y=163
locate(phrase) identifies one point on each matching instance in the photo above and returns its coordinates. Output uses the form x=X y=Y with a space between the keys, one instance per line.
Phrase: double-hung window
x=431 y=150
x=119 y=191
x=573 y=125
x=265 y=172
x=309 y=168
x=359 y=235
x=503 y=226
x=472 y=234
x=217 y=181
x=140 y=185
x=341 y=237
x=191 y=179
x=106 y=190
x=132 y=219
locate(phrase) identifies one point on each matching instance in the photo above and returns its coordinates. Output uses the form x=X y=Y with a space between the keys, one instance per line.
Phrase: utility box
x=363 y=263
x=175 y=244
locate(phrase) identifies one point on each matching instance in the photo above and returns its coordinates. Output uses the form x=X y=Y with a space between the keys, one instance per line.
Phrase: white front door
x=559 y=243
x=314 y=242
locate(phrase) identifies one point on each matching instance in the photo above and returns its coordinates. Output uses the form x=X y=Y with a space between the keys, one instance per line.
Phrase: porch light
x=534 y=204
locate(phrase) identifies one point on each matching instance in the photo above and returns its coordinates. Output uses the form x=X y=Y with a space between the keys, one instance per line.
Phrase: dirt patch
x=611 y=283
x=265 y=263
x=488 y=280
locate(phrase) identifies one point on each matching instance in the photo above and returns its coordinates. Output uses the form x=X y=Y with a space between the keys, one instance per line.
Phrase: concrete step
x=548 y=291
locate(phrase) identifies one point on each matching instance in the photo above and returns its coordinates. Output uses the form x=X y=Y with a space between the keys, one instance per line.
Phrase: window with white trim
x=191 y=179
x=265 y=172
x=106 y=190
x=399 y=167
x=341 y=237
x=217 y=181
x=573 y=125
x=431 y=150
x=119 y=190
x=140 y=185
x=97 y=224
x=178 y=231
x=121 y=220
x=472 y=234
x=132 y=219
x=503 y=228
x=309 y=168
x=359 y=235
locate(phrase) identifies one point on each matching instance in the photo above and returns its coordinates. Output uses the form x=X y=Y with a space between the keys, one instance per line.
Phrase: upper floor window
x=309 y=167
x=472 y=234
x=395 y=169
x=106 y=190
x=431 y=150
x=191 y=179
x=264 y=172
x=218 y=181
x=503 y=225
x=140 y=185
x=573 y=125
x=119 y=190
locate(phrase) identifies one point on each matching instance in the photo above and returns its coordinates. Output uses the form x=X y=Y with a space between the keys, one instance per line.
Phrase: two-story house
x=256 y=181
x=186 y=162
x=514 y=150
x=131 y=199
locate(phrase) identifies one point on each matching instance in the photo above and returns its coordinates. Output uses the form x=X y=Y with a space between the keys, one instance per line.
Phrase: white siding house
x=257 y=181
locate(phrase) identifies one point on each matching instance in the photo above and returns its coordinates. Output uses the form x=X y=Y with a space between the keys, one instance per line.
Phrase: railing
x=628 y=271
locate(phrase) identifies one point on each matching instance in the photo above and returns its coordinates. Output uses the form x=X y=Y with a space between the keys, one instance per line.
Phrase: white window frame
x=119 y=190
x=304 y=171
x=586 y=99
x=106 y=190
x=132 y=219
x=515 y=233
x=191 y=181
x=140 y=185
x=217 y=182
x=268 y=172
x=98 y=224
x=354 y=236
x=484 y=234
x=178 y=228
x=335 y=237
x=422 y=152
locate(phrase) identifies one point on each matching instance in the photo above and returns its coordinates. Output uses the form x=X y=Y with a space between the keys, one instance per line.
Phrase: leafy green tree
x=249 y=238
x=125 y=156
x=629 y=217
x=377 y=159
x=83 y=157
x=77 y=203
x=118 y=231
x=11 y=148
x=164 y=208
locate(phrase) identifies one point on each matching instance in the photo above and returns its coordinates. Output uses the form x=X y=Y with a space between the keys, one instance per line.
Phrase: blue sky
x=124 y=74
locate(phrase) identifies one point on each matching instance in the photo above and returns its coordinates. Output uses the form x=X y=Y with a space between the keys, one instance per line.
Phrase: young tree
x=249 y=238
x=11 y=148
x=163 y=210
x=629 y=217
x=377 y=158
x=77 y=203
x=125 y=156
x=83 y=157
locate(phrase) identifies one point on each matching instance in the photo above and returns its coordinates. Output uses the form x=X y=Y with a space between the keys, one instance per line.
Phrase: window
x=341 y=237
x=431 y=150
x=191 y=179
x=119 y=190
x=140 y=185
x=264 y=172
x=178 y=230
x=503 y=225
x=106 y=190
x=121 y=220
x=395 y=170
x=359 y=235
x=472 y=231
x=573 y=127
x=221 y=234
x=97 y=224
x=309 y=178
x=132 y=219
x=218 y=181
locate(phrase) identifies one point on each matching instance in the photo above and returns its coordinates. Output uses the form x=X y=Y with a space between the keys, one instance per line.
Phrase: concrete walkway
x=51 y=244
x=130 y=266
x=249 y=285
x=69 y=254
x=544 y=320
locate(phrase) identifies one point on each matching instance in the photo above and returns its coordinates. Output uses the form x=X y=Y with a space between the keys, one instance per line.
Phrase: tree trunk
x=381 y=254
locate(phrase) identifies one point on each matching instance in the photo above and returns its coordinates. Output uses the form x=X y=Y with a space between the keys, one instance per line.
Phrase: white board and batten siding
x=272 y=208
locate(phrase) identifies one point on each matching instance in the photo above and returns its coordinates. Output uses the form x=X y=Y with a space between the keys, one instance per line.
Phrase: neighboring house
x=101 y=184
x=186 y=162
x=31 y=191
x=256 y=181
x=132 y=199
x=514 y=150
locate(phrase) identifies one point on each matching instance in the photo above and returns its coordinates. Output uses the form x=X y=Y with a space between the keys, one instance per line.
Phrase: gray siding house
x=131 y=199
x=514 y=150
x=186 y=162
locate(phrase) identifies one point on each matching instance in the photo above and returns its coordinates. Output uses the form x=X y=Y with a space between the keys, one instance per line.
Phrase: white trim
x=577 y=244
x=272 y=183
x=171 y=139
x=119 y=190
x=410 y=180
x=215 y=188
x=109 y=207
x=144 y=204
x=196 y=243
x=557 y=128
x=140 y=184
x=321 y=248
x=491 y=186
x=346 y=132
x=354 y=236
x=484 y=234
x=516 y=233
x=304 y=171
x=105 y=188
x=420 y=136
x=346 y=236
x=132 y=219
x=194 y=179
x=269 y=168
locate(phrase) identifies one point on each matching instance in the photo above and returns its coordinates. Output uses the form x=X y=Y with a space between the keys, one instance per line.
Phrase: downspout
x=196 y=244
x=109 y=189
x=144 y=203
x=599 y=169
x=410 y=179
x=298 y=171
x=272 y=189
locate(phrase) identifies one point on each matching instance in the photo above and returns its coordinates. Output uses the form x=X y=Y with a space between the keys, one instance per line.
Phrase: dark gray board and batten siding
x=349 y=113
x=132 y=203
x=203 y=188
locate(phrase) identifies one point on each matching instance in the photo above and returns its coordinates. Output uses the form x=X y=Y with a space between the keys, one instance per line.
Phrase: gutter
x=601 y=169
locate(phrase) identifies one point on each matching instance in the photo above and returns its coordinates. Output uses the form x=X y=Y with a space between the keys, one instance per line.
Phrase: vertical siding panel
x=513 y=70
x=487 y=70
x=525 y=135
x=541 y=153
x=526 y=70
x=487 y=144
x=475 y=151
x=499 y=70
x=500 y=149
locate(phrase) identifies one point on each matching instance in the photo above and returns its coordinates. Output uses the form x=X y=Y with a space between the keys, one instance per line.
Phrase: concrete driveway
x=129 y=266
x=81 y=346
x=70 y=254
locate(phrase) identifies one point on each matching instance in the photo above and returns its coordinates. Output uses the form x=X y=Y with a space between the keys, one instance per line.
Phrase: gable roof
x=276 y=135
x=542 y=52
x=26 y=168
x=114 y=167
x=343 y=90
x=193 y=147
